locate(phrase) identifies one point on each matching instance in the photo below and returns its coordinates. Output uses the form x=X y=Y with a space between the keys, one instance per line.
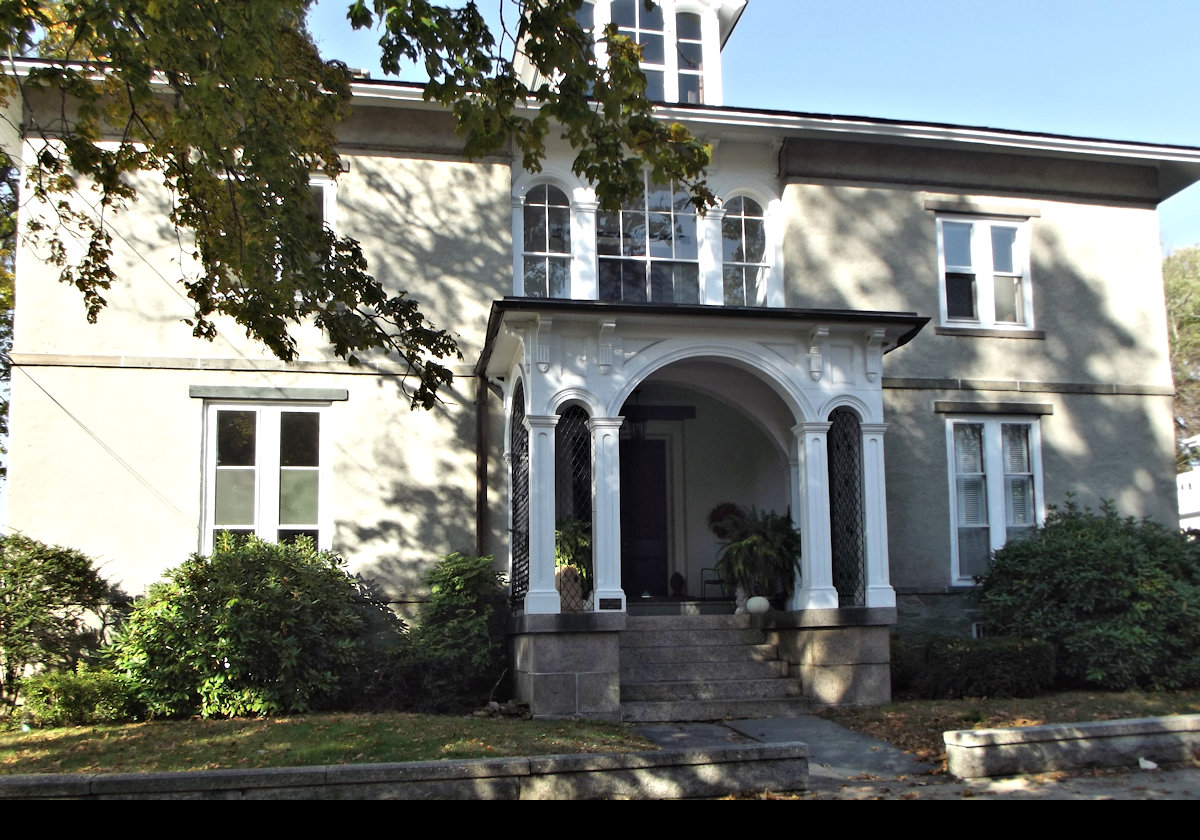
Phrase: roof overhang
x=510 y=315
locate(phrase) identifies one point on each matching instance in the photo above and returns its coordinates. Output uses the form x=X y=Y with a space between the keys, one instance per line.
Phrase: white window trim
x=981 y=257
x=994 y=477
x=328 y=197
x=266 y=487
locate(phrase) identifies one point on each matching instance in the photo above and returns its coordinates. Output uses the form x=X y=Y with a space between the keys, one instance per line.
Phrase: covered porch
x=631 y=423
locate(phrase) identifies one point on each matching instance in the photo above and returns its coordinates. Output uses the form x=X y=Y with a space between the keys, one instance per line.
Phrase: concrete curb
x=979 y=753
x=664 y=774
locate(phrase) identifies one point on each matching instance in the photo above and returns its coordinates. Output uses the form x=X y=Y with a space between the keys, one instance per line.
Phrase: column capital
x=541 y=421
x=596 y=423
x=815 y=427
x=873 y=428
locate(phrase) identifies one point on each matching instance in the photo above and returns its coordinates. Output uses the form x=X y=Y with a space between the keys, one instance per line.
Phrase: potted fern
x=760 y=553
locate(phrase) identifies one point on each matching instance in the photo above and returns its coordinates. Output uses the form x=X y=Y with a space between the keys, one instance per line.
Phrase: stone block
x=847 y=685
x=599 y=695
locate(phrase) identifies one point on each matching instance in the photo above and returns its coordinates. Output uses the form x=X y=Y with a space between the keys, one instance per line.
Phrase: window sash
x=983 y=265
x=995 y=480
x=272 y=479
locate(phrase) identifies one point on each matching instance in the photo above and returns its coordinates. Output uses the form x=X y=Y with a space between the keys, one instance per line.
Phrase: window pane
x=235 y=438
x=535 y=228
x=691 y=90
x=656 y=86
x=731 y=239
x=1018 y=500
x=974 y=550
x=960 y=296
x=653 y=48
x=608 y=234
x=289 y=536
x=1004 y=244
x=662 y=283
x=316 y=194
x=691 y=57
x=968 y=448
x=651 y=19
x=633 y=234
x=535 y=277
x=687 y=25
x=1016 y=448
x=686 y=246
x=299 y=436
x=733 y=279
x=234 y=500
x=687 y=283
x=756 y=241
x=661 y=234
x=610 y=279
x=624 y=12
x=297 y=497
x=586 y=17
x=972 y=500
x=559 y=277
x=1008 y=300
x=633 y=282
x=956 y=244
x=559 y=231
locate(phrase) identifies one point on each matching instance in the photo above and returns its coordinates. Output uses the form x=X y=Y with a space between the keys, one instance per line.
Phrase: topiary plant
x=1118 y=598
x=258 y=628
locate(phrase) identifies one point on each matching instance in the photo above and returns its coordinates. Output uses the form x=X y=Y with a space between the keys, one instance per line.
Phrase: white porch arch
x=597 y=355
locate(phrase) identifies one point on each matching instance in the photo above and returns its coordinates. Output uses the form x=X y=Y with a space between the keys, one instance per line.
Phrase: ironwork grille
x=846 y=508
x=573 y=489
x=519 y=464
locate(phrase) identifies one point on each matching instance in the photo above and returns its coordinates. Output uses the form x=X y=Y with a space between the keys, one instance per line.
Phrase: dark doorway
x=644 y=518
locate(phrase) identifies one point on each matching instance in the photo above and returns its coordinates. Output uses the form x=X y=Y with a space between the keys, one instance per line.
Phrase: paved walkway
x=847 y=765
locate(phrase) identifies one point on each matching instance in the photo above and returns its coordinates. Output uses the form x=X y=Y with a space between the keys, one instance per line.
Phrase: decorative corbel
x=875 y=339
x=604 y=356
x=545 y=325
x=816 y=349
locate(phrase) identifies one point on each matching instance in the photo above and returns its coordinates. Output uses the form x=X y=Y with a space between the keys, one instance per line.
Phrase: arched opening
x=697 y=434
x=519 y=472
x=573 y=505
x=846 y=508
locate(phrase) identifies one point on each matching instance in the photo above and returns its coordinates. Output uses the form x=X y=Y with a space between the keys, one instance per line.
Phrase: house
x=913 y=337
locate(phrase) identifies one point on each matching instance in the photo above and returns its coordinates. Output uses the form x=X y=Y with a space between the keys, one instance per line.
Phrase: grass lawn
x=297 y=741
x=915 y=726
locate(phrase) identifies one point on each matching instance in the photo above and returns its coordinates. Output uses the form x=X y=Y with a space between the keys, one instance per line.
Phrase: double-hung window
x=984 y=269
x=266 y=473
x=995 y=473
x=547 y=246
x=648 y=251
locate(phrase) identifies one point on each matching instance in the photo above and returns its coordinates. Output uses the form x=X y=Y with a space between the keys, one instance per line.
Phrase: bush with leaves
x=54 y=610
x=258 y=628
x=456 y=654
x=83 y=697
x=955 y=667
x=1118 y=598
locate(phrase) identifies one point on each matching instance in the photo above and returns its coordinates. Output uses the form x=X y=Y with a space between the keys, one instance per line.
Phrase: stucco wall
x=106 y=442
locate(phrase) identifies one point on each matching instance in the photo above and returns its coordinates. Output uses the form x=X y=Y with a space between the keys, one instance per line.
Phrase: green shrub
x=84 y=697
x=54 y=610
x=1118 y=599
x=456 y=654
x=956 y=667
x=258 y=628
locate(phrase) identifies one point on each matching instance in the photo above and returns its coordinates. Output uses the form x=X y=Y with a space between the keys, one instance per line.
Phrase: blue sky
x=1113 y=69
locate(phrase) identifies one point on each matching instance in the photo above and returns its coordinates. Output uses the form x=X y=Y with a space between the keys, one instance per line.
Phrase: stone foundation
x=842 y=656
x=568 y=665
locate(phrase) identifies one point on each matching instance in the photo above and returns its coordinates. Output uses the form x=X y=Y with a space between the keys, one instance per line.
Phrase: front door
x=644 y=518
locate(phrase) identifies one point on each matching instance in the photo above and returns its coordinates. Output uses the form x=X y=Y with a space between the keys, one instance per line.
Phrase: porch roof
x=901 y=327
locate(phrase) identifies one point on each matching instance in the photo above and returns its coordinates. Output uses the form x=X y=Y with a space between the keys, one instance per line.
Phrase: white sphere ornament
x=757 y=605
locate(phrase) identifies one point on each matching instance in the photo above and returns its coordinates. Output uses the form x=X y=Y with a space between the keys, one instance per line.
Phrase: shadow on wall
x=851 y=248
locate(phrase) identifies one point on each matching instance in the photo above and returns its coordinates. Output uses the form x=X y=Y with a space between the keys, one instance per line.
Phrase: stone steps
x=703 y=667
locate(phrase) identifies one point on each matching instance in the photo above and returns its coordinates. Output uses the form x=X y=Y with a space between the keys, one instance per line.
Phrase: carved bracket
x=875 y=340
x=816 y=352
x=545 y=325
x=605 y=354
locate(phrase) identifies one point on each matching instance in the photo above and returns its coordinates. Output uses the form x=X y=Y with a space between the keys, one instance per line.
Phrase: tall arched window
x=744 y=253
x=645 y=27
x=648 y=250
x=547 y=249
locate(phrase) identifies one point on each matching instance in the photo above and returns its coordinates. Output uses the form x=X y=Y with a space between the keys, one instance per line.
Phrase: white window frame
x=328 y=188
x=994 y=480
x=267 y=469
x=982 y=267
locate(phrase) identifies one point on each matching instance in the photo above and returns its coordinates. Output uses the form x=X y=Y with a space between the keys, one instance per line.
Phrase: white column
x=816 y=564
x=712 y=286
x=879 y=585
x=543 y=595
x=584 y=283
x=710 y=32
x=606 y=513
